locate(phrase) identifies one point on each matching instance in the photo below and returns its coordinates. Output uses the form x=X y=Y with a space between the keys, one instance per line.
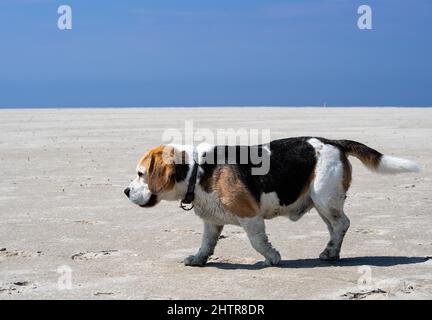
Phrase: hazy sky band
x=197 y=53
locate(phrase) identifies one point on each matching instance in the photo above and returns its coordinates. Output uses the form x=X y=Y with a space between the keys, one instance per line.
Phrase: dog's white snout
x=138 y=192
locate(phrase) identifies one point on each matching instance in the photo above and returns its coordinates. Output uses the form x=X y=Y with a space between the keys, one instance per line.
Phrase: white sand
x=61 y=182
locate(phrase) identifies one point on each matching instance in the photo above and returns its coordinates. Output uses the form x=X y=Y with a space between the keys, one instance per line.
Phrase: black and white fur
x=305 y=173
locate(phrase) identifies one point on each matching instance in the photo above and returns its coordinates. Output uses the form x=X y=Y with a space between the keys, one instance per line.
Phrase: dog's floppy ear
x=160 y=172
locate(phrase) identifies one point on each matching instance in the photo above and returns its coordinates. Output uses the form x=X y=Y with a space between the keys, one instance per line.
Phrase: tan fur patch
x=160 y=173
x=308 y=182
x=369 y=157
x=346 y=177
x=369 y=160
x=233 y=194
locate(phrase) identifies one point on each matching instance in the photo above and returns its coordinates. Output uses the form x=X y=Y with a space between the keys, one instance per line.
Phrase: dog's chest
x=209 y=208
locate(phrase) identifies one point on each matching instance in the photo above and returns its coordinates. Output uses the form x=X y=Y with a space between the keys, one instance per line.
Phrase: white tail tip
x=389 y=164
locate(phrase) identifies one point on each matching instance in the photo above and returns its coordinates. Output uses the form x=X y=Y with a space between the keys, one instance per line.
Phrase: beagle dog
x=304 y=173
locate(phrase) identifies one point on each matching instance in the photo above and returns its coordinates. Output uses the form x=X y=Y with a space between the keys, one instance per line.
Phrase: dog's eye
x=140 y=174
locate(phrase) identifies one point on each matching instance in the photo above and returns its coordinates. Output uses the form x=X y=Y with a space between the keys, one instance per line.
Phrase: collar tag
x=185 y=207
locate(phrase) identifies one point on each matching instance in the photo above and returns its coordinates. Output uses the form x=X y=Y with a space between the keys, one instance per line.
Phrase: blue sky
x=224 y=52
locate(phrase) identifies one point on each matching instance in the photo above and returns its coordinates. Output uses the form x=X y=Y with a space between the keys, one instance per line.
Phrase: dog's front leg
x=255 y=229
x=209 y=240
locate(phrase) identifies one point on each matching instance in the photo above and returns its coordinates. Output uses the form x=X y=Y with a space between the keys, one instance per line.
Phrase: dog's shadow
x=377 y=261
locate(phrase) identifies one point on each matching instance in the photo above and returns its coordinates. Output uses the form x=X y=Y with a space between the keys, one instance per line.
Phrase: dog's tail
x=375 y=160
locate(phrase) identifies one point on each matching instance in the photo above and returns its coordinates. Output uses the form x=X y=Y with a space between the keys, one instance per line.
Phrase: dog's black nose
x=127 y=191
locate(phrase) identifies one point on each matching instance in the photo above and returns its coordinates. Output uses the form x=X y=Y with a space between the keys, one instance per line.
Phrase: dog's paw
x=329 y=255
x=195 y=261
x=273 y=260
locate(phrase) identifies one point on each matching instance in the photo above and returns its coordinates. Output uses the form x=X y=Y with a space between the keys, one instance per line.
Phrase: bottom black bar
x=219 y=309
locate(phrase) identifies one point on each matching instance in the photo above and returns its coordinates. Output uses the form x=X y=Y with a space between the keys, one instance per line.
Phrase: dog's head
x=157 y=173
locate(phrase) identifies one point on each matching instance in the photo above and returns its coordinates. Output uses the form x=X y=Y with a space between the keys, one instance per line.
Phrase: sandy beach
x=63 y=211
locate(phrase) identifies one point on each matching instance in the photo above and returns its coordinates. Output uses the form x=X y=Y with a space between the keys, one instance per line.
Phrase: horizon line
x=218 y=106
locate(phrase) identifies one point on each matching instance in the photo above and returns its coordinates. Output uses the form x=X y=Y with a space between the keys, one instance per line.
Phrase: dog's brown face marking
x=233 y=194
x=158 y=171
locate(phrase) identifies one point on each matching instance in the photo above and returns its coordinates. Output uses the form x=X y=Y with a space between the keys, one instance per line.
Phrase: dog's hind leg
x=255 y=229
x=338 y=224
x=209 y=240
x=328 y=193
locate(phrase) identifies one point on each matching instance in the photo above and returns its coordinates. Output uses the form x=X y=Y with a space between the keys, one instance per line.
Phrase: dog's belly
x=271 y=208
x=209 y=208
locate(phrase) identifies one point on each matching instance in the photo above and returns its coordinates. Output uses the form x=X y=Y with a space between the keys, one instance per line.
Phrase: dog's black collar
x=190 y=194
